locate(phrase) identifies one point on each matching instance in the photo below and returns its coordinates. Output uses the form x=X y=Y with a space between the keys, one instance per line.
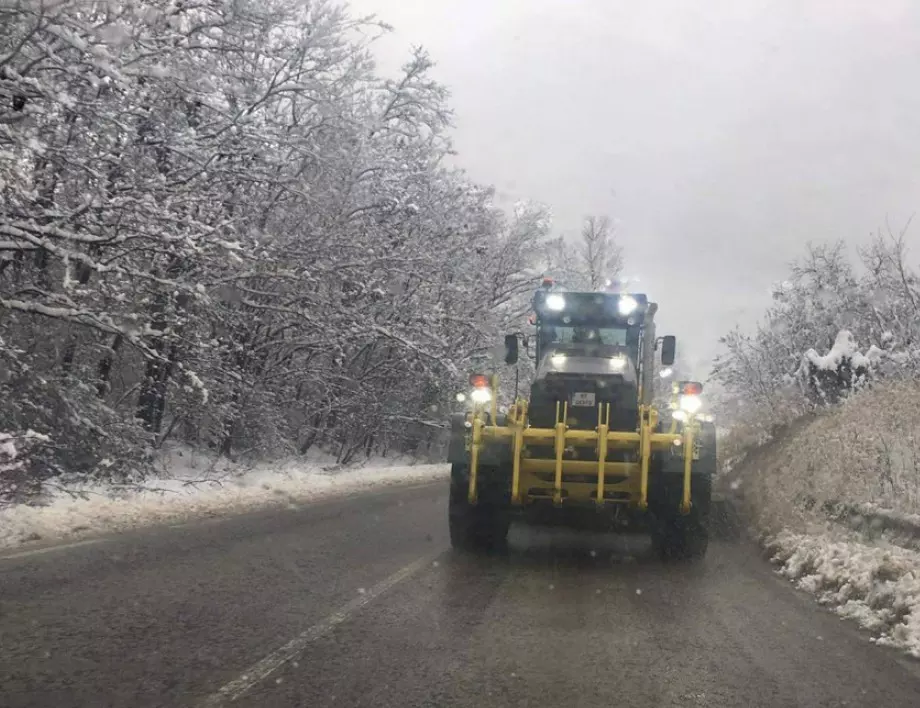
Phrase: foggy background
x=720 y=138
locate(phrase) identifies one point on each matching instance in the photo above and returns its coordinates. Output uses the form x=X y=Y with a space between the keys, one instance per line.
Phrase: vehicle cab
x=588 y=352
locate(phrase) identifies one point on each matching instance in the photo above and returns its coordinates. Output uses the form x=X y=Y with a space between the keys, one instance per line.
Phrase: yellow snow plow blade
x=563 y=477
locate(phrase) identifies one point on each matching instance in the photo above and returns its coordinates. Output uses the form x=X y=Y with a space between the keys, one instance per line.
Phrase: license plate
x=583 y=399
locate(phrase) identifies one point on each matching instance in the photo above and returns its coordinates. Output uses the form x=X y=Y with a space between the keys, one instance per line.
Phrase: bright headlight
x=481 y=395
x=691 y=404
x=558 y=360
x=679 y=415
x=627 y=305
x=618 y=363
x=461 y=397
x=555 y=302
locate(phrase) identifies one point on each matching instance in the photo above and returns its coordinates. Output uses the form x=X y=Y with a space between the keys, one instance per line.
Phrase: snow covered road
x=356 y=601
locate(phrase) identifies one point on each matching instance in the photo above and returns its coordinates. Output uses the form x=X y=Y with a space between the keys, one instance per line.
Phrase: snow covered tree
x=826 y=305
x=830 y=378
x=600 y=255
x=219 y=224
x=589 y=264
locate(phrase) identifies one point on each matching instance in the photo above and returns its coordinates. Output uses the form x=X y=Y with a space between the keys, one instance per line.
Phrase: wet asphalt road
x=358 y=602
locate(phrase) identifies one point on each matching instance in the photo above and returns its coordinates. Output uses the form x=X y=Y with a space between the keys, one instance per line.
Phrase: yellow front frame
x=615 y=482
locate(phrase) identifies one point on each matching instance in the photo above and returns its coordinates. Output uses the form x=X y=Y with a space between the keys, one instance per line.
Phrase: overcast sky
x=720 y=135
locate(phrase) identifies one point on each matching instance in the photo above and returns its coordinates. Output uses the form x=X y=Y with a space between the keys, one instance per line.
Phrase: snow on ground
x=894 y=515
x=192 y=485
x=876 y=585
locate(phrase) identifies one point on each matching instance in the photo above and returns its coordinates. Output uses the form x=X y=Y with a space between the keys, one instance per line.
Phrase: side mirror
x=511 y=349
x=668 y=350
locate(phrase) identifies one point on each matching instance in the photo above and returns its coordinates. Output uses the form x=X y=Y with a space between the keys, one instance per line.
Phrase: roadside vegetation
x=823 y=453
x=221 y=226
x=829 y=381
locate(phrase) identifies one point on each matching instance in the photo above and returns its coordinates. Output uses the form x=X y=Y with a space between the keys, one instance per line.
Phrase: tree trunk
x=104 y=370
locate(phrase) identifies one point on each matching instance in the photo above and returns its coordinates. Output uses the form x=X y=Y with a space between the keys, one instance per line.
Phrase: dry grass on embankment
x=835 y=500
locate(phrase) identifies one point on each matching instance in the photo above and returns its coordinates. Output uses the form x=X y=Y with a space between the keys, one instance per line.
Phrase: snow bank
x=857 y=464
x=190 y=488
x=876 y=585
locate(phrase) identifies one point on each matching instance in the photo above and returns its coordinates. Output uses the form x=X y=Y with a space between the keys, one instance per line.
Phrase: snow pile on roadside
x=75 y=510
x=877 y=586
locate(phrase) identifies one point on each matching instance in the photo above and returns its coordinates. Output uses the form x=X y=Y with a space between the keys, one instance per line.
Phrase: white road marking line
x=50 y=549
x=290 y=651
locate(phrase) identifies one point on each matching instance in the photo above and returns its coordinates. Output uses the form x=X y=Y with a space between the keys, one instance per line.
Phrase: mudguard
x=493 y=453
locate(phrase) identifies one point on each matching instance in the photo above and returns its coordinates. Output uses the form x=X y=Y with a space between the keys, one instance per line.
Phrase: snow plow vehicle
x=589 y=444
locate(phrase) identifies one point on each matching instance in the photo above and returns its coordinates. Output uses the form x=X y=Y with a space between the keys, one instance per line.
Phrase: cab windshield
x=606 y=336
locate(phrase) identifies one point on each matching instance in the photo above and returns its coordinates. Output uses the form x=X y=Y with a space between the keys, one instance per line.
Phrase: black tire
x=476 y=527
x=678 y=537
x=684 y=537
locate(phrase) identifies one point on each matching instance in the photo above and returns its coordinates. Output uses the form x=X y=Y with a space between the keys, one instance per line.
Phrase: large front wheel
x=679 y=536
x=475 y=527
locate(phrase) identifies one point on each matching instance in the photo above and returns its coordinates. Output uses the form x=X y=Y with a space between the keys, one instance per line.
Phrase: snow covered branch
x=219 y=224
